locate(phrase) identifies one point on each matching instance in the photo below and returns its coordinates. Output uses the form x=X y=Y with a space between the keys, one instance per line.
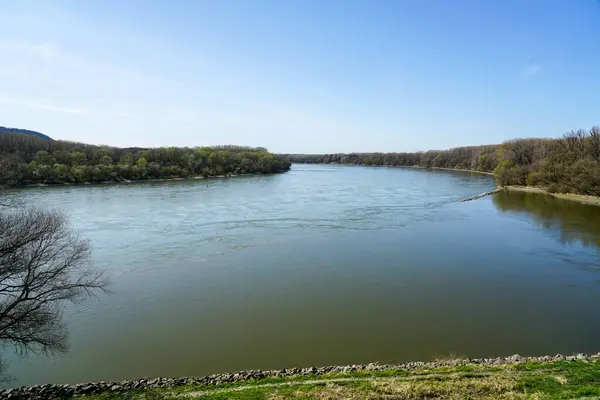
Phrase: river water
x=322 y=265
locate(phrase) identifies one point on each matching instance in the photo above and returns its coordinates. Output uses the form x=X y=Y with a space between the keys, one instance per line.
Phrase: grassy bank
x=447 y=380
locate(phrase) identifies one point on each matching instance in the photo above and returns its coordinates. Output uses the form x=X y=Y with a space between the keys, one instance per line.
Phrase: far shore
x=125 y=181
x=464 y=170
x=402 y=166
x=443 y=169
x=581 y=198
x=585 y=199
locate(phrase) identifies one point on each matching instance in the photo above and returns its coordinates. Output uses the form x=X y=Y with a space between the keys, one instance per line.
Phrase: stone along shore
x=50 y=391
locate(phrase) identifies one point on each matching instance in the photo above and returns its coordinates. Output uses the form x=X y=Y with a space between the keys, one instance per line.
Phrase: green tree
x=106 y=160
x=45 y=158
x=142 y=162
x=507 y=173
x=78 y=158
x=63 y=173
x=126 y=159
x=81 y=173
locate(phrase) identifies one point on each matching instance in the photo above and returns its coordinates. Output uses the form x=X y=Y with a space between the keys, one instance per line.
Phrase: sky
x=300 y=76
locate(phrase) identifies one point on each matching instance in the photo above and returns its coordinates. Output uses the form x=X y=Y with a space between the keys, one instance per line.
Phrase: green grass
x=554 y=380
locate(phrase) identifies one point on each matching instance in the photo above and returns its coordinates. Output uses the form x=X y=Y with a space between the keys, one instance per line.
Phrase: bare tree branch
x=43 y=265
x=594 y=142
x=573 y=143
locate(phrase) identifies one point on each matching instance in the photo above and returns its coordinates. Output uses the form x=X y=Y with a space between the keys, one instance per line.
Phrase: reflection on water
x=568 y=221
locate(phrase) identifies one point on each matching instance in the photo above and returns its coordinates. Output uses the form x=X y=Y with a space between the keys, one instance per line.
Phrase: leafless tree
x=573 y=142
x=43 y=265
x=520 y=151
x=594 y=142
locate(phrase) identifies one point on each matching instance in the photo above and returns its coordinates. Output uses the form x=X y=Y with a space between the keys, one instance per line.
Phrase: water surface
x=322 y=265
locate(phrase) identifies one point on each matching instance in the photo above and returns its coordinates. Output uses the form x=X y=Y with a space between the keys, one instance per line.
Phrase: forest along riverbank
x=487 y=378
x=570 y=164
x=34 y=160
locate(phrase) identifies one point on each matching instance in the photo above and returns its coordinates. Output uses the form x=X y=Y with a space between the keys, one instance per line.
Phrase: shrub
x=507 y=173
x=535 y=179
x=585 y=177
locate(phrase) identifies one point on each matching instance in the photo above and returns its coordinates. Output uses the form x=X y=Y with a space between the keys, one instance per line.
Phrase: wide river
x=318 y=266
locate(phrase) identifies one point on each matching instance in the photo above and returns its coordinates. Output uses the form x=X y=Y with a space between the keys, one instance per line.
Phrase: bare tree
x=594 y=142
x=43 y=265
x=573 y=142
x=520 y=151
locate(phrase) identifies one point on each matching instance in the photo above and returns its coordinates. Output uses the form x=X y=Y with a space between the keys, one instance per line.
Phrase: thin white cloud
x=531 y=70
x=51 y=54
x=28 y=103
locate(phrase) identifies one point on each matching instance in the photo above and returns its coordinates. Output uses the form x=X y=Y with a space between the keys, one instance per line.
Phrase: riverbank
x=513 y=377
x=592 y=200
x=472 y=171
x=126 y=181
x=463 y=170
x=581 y=198
x=586 y=199
x=408 y=166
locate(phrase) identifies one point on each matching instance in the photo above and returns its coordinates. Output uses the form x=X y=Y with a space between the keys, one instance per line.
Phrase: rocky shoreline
x=51 y=391
x=491 y=192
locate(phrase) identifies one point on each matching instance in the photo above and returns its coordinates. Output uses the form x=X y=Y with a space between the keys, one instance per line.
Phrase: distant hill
x=4 y=129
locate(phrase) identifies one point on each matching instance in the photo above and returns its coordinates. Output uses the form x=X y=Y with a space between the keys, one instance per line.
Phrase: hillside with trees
x=570 y=164
x=5 y=130
x=28 y=159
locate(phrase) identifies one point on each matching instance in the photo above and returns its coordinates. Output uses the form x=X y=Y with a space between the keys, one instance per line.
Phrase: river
x=322 y=265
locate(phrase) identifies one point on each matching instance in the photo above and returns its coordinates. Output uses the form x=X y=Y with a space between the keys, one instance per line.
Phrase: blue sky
x=300 y=75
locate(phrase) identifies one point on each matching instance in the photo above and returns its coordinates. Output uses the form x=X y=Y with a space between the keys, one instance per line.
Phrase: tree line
x=569 y=164
x=30 y=159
